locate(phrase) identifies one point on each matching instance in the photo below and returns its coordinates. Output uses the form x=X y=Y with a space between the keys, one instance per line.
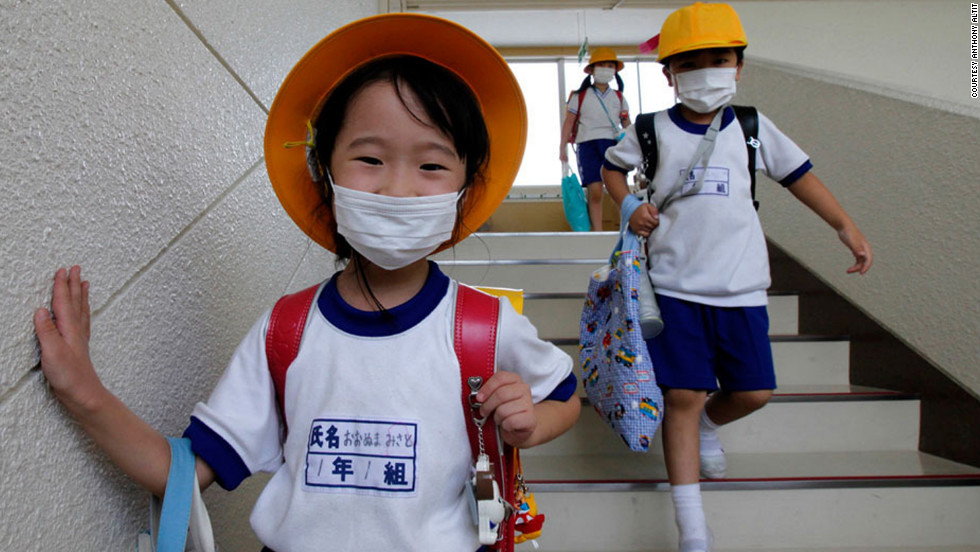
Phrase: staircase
x=825 y=466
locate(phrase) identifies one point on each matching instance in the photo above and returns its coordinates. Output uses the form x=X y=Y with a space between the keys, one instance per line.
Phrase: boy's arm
x=812 y=192
x=522 y=423
x=138 y=449
x=645 y=217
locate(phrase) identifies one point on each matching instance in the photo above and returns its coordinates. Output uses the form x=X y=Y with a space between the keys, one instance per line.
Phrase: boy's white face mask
x=603 y=75
x=705 y=90
x=393 y=232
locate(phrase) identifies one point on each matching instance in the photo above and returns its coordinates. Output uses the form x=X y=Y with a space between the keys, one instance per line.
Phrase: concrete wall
x=878 y=94
x=133 y=146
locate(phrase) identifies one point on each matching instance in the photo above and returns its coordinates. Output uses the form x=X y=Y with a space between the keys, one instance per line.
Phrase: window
x=546 y=84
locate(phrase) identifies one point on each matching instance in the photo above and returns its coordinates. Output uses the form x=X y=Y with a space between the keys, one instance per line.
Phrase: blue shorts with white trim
x=591 y=155
x=702 y=347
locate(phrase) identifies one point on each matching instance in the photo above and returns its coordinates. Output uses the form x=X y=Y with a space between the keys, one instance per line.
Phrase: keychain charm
x=486 y=503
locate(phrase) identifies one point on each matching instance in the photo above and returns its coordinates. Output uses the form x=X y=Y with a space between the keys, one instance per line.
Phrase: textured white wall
x=133 y=146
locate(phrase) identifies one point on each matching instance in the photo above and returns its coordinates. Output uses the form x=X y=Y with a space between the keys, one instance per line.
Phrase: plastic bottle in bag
x=651 y=324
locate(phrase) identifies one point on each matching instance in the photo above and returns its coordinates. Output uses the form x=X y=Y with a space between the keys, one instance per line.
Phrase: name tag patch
x=373 y=456
x=715 y=181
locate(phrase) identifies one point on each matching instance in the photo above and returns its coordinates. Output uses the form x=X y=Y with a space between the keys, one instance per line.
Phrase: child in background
x=400 y=162
x=707 y=252
x=594 y=122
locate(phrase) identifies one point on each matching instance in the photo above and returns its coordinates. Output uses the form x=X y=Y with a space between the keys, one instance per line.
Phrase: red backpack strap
x=475 y=342
x=283 y=337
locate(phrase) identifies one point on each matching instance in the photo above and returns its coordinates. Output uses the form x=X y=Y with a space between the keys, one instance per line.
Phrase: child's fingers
x=503 y=387
x=47 y=332
x=86 y=312
x=59 y=294
x=66 y=302
x=75 y=286
x=862 y=263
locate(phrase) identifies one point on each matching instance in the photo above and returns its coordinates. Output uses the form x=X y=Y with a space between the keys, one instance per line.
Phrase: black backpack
x=748 y=119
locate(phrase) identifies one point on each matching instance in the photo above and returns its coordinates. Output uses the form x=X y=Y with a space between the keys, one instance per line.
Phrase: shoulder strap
x=475 y=343
x=646 y=133
x=748 y=118
x=282 y=339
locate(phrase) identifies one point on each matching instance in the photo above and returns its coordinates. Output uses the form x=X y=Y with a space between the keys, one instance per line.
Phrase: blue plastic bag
x=616 y=369
x=573 y=199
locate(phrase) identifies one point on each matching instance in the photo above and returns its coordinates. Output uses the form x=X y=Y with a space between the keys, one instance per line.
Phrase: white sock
x=710 y=444
x=689 y=514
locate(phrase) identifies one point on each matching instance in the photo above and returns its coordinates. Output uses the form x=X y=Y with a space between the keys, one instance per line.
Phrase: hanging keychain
x=486 y=504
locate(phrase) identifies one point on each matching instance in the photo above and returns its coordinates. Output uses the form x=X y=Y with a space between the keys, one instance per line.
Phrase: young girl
x=597 y=120
x=401 y=163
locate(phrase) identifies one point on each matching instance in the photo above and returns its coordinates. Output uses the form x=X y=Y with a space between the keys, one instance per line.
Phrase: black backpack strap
x=646 y=134
x=748 y=118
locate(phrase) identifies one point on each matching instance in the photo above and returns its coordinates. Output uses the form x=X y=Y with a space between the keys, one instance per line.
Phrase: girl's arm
x=138 y=449
x=566 y=136
x=812 y=192
x=522 y=423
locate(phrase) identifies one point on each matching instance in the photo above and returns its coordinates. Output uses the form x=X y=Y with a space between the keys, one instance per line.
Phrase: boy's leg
x=682 y=410
x=745 y=370
x=724 y=407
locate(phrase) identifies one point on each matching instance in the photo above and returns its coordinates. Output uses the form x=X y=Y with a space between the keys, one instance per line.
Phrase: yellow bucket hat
x=604 y=53
x=434 y=39
x=698 y=27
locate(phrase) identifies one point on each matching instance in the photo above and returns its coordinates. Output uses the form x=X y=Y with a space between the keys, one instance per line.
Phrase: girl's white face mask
x=705 y=90
x=603 y=75
x=393 y=232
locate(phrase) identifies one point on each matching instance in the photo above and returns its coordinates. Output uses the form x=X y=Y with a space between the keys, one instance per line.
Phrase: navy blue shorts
x=591 y=155
x=702 y=346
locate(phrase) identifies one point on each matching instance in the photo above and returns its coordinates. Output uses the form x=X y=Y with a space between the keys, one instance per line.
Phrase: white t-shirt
x=593 y=123
x=709 y=247
x=376 y=456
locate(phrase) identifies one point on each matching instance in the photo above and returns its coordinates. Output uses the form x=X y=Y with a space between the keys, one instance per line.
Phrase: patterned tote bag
x=616 y=370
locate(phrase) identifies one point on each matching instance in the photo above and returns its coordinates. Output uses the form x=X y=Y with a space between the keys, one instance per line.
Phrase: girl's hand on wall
x=64 y=339
x=508 y=399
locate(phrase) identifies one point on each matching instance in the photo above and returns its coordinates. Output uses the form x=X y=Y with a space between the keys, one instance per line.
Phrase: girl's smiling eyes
x=424 y=166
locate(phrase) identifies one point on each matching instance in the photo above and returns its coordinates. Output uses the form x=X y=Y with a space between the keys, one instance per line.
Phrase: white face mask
x=393 y=232
x=705 y=90
x=603 y=75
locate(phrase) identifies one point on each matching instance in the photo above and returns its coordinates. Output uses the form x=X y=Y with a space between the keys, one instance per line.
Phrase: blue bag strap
x=628 y=241
x=176 y=511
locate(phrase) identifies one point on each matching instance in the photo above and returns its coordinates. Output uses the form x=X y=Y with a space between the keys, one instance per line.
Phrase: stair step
x=793 y=423
x=789 y=470
x=921 y=518
x=532 y=245
x=558 y=314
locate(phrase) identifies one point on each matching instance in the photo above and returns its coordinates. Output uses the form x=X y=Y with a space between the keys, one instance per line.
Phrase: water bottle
x=651 y=324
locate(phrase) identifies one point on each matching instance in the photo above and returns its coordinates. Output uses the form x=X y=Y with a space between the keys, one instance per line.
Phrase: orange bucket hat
x=434 y=39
